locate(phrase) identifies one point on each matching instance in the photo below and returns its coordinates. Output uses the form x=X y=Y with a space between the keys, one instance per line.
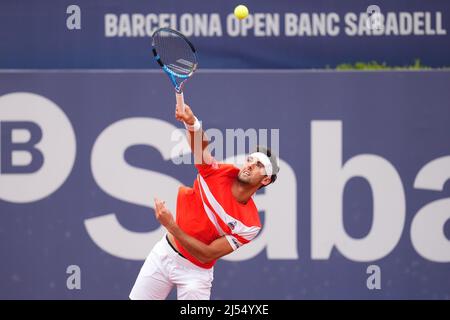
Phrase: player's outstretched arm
x=201 y=251
x=197 y=138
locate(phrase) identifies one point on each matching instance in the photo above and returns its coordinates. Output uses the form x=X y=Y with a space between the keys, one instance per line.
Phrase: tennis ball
x=241 y=12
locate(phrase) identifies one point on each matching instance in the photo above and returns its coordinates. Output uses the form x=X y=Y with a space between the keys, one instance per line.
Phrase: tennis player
x=213 y=218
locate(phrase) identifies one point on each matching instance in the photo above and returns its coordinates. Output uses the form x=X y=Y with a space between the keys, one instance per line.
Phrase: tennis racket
x=177 y=57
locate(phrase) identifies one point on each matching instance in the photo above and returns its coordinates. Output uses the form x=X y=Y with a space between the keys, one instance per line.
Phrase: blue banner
x=116 y=34
x=360 y=208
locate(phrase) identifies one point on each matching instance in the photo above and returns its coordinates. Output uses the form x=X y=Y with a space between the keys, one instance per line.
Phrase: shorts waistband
x=167 y=238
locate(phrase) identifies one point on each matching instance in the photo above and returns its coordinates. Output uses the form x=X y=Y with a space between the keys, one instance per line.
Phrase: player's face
x=252 y=172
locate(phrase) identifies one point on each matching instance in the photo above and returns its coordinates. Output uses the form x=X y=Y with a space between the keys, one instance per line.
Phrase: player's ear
x=266 y=180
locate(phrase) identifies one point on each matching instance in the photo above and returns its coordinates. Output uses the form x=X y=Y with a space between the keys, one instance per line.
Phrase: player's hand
x=187 y=116
x=162 y=214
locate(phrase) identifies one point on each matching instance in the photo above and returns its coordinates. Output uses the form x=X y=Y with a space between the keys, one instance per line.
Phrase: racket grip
x=180 y=100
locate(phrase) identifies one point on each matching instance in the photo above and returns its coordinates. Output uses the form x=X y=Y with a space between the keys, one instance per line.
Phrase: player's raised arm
x=197 y=138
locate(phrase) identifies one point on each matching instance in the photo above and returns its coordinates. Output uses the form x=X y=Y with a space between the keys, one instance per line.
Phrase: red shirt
x=208 y=210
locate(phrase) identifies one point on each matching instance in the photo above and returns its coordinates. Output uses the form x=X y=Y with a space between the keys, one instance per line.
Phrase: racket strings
x=175 y=52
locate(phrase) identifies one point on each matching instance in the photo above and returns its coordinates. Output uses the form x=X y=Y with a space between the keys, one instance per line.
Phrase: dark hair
x=273 y=161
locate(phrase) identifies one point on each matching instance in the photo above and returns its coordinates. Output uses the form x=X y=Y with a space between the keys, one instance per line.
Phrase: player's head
x=260 y=168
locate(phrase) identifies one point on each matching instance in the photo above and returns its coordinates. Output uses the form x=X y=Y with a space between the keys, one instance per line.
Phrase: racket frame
x=173 y=76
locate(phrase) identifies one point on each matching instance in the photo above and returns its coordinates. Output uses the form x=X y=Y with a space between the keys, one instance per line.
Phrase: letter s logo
x=131 y=184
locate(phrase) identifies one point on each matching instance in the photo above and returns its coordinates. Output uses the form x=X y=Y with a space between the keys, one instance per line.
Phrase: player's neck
x=241 y=192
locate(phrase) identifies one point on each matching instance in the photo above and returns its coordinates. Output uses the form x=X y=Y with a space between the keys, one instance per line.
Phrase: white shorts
x=163 y=269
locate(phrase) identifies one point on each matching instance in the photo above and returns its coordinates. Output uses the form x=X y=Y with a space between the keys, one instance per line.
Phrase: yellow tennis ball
x=241 y=12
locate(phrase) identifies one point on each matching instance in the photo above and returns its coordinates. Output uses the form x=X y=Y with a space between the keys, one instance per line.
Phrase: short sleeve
x=238 y=240
x=206 y=170
x=234 y=243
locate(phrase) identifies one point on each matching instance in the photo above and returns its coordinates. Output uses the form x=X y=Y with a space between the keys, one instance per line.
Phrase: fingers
x=159 y=205
x=179 y=109
x=178 y=114
x=158 y=208
x=183 y=115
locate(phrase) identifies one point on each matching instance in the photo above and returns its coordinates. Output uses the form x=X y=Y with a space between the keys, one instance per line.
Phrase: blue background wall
x=393 y=115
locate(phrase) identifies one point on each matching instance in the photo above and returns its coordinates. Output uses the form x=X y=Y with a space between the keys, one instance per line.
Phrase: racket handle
x=180 y=100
